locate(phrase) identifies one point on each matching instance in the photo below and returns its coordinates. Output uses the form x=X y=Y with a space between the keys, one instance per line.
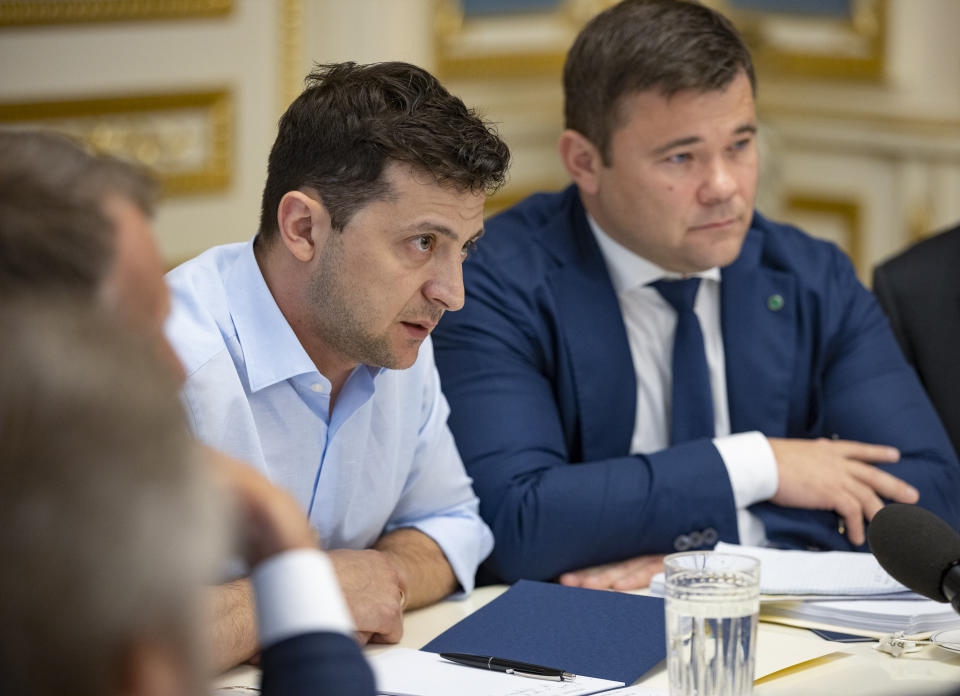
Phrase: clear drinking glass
x=712 y=601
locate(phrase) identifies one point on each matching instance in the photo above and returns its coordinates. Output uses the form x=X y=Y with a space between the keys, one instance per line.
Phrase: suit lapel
x=592 y=327
x=758 y=320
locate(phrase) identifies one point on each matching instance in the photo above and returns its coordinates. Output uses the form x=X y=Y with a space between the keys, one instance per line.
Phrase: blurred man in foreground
x=77 y=226
x=110 y=525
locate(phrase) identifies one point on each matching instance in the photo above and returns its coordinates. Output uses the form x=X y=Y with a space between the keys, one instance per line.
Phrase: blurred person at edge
x=75 y=227
x=110 y=524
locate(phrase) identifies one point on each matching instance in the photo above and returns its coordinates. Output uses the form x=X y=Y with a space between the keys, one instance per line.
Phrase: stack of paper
x=816 y=573
x=871 y=615
x=838 y=588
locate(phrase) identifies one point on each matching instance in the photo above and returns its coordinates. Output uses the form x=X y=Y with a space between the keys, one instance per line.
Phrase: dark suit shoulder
x=925 y=262
x=787 y=248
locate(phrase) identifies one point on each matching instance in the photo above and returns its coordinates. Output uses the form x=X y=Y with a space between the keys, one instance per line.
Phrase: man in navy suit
x=645 y=365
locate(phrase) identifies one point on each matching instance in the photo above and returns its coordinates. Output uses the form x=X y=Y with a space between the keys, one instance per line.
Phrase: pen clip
x=519 y=673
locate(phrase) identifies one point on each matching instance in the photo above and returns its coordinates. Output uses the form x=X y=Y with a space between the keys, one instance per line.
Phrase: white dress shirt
x=297 y=592
x=651 y=323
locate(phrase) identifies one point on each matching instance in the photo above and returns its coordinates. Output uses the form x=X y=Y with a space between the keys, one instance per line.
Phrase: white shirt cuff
x=751 y=467
x=297 y=592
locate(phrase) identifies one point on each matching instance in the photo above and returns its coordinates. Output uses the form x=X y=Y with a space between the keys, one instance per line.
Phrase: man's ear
x=582 y=160
x=304 y=224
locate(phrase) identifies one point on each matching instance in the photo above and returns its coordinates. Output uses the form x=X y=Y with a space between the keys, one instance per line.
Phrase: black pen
x=521 y=669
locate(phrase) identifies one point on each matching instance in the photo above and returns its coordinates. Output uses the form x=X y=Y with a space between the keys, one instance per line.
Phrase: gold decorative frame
x=863 y=34
x=516 y=59
x=848 y=210
x=121 y=125
x=30 y=12
x=291 y=27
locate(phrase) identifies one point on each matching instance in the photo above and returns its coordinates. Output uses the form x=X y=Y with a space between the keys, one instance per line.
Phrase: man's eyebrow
x=679 y=142
x=750 y=128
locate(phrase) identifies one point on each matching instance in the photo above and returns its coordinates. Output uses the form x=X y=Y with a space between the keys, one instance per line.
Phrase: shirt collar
x=628 y=270
x=271 y=350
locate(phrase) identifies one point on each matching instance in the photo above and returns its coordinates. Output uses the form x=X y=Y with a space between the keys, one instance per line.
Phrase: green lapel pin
x=775 y=302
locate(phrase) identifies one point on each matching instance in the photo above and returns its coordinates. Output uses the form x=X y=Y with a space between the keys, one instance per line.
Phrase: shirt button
x=682 y=543
x=318 y=387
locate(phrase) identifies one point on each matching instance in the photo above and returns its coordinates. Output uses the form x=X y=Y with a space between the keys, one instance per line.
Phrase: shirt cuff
x=297 y=592
x=465 y=541
x=751 y=467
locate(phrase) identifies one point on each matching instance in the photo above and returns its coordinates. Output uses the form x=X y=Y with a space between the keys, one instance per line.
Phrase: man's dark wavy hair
x=669 y=46
x=352 y=120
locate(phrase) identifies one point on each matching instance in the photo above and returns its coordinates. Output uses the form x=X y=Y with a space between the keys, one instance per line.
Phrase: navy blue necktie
x=691 y=404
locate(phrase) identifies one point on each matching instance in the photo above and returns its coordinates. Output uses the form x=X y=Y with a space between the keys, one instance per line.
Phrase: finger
x=602 y=581
x=581 y=578
x=392 y=635
x=848 y=507
x=641 y=575
x=573 y=579
x=363 y=637
x=881 y=454
x=870 y=504
x=887 y=485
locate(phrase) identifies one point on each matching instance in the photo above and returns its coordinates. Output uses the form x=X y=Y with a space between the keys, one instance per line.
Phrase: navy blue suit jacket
x=540 y=380
x=316 y=664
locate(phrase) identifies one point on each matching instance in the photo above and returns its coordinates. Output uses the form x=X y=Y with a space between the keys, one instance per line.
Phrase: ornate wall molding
x=185 y=138
x=28 y=12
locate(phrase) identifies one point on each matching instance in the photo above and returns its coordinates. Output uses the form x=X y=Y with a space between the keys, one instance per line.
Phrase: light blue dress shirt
x=384 y=459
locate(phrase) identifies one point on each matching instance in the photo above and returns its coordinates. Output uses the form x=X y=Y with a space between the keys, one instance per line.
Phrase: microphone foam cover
x=915 y=546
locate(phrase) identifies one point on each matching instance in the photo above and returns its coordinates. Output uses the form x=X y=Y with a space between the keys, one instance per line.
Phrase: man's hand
x=631 y=574
x=372 y=587
x=270 y=519
x=838 y=475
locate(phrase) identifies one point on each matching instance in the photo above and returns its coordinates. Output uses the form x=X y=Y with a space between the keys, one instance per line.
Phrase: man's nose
x=445 y=287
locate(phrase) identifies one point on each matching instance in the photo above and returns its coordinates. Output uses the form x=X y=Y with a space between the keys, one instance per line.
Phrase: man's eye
x=679 y=158
x=742 y=144
x=423 y=242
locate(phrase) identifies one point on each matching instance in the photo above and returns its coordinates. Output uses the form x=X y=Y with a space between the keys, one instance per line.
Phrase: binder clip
x=895 y=644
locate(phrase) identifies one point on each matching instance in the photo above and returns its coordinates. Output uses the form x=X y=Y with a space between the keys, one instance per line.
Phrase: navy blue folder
x=595 y=633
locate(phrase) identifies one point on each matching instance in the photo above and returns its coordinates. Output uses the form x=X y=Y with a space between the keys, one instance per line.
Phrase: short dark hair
x=338 y=136
x=53 y=233
x=669 y=46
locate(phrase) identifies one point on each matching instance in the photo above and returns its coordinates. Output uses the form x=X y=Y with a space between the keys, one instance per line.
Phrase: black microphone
x=918 y=549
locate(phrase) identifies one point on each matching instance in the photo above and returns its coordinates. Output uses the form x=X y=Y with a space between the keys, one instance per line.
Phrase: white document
x=846 y=573
x=875 y=616
x=407 y=672
x=638 y=691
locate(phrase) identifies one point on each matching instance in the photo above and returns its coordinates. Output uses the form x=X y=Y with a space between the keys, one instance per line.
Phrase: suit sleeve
x=870 y=393
x=316 y=664
x=512 y=423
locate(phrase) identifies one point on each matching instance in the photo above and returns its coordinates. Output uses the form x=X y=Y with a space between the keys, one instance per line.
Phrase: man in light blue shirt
x=303 y=346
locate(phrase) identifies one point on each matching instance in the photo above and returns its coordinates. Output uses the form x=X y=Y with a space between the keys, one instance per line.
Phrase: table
x=855 y=669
